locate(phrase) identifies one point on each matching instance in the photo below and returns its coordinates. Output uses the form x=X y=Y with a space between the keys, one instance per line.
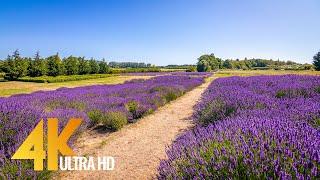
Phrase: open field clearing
x=139 y=147
x=15 y=87
x=107 y=107
x=251 y=128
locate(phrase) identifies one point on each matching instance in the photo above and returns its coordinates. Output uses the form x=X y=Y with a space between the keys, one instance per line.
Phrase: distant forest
x=16 y=66
x=209 y=62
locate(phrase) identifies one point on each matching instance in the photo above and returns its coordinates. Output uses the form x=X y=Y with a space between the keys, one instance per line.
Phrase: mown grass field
x=14 y=87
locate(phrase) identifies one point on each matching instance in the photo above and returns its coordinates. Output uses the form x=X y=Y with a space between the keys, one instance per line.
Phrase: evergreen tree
x=37 y=66
x=16 y=66
x=55 y=66
x=316 y=61
x=71 y=65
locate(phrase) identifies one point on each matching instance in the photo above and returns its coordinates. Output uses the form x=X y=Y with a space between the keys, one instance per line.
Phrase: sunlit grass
x=14 y=87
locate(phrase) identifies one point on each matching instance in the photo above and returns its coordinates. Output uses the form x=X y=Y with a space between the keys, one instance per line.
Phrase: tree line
x=16 y=66
x=114 y=64
x=209 y=62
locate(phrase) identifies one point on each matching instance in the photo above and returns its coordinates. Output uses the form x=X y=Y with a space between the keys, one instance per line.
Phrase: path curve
x=138 y=147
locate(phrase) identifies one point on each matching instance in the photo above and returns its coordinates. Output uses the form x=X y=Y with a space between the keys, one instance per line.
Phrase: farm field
x=108 y=107
x=16 y=87
x=251 y=127
x=122 y=120
x=226 y=73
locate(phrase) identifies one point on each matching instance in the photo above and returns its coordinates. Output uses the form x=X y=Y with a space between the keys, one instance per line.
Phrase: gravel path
x=138 y=147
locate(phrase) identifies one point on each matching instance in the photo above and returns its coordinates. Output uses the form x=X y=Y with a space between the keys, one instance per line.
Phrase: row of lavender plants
x=111 y=106
x=263 y=127
x=178 y=73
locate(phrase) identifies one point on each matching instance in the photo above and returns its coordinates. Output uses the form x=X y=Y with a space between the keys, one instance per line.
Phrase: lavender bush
x=109 y=105
x=264 y=127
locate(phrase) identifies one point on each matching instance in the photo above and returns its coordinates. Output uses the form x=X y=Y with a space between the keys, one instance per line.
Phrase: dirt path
x=138 y=147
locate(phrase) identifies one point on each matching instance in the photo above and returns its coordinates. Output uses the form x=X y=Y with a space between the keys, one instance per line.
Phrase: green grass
x=51 y=79
x=15 y=87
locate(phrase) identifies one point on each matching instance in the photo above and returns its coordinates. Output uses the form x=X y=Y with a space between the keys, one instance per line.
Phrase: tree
x=37 y=66
x=203 y=66
x=94 y=66
x=84 y=66
x=227 y=64
x=316 y=61
x=71 y=65
x=103 y=67
x=16 y=66
x=55 y=66
x=208 y=62
x=2 y=63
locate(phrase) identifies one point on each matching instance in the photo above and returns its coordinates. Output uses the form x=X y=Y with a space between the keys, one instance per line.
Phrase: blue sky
x=162 y=31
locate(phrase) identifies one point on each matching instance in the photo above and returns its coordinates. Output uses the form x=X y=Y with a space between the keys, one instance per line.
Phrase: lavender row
x=110 y=105
x=264 y=127
x=199 y=74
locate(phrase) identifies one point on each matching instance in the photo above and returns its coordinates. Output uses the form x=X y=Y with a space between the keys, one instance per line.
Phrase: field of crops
x=251 y=128
x=111 y=106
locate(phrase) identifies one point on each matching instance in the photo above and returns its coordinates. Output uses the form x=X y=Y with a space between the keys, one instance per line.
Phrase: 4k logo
x=32 y=147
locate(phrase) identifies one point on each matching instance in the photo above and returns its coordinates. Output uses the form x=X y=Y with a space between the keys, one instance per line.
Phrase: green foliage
x=94 y=66
x=95 y=116
x=37 y=67
x=128 y=65
x=227 y=64
x=171 y=95
x=203 y=66
x=51 y=79
x=71 y=65
x=84 y=66
x=132 y=107
x=316 y=61
x=103 y=67
x=191 y=69
x=12 y=170
x=114 y=120
x=281 y=94
x=134 y=70
x=55 y=66
x=208 y=62
x=15 y=66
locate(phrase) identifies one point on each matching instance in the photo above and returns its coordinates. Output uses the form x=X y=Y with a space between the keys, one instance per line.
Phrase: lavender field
x=261 y=127
x=110 y=106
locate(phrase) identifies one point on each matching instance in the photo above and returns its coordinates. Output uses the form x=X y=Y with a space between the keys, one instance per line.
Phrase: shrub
x=170 y=96
x=132 y=107
x=95 y=116
x=115 y=120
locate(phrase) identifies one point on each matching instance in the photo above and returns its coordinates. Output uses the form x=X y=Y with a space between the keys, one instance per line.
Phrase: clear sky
x=162 y=31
